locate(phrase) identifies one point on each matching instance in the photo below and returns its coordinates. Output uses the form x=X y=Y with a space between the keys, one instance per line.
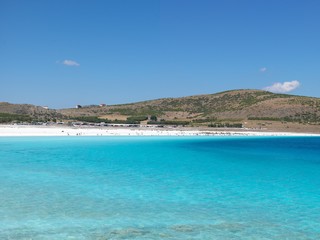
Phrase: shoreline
x=34 y=131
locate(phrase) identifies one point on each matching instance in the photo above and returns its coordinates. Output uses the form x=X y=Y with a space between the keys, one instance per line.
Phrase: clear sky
x=66 y=52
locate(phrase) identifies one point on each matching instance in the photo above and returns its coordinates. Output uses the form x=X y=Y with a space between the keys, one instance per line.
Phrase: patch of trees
x=153 y=118
x=91 y=119
x=165 y=122
x=137 y=118
x=301 y=118
x=95 y=119
x=265 y=118
x=9 y=117
x=204 y=120
x=226 y=125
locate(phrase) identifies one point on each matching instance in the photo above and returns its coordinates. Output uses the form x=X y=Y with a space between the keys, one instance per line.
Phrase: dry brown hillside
x=35 y=112
x=231 y=105
x=249 y=108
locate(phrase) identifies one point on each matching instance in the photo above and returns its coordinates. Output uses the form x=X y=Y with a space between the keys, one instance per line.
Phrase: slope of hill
x=27 y=111
x=233 y=105
x=248 y=108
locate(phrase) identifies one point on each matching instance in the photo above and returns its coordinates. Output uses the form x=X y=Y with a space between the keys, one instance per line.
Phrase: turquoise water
x=160 y=188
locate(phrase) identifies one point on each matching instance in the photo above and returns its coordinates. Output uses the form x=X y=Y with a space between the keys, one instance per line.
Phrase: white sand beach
x=27 y=130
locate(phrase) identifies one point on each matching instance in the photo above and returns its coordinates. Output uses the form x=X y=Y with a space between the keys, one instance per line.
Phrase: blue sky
x=66 y=52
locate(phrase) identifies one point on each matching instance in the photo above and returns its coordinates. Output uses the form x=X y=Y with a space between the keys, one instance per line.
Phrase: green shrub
x=153 y=118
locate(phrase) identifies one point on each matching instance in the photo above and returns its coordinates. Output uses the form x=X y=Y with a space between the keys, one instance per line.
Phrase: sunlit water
x=160 y=188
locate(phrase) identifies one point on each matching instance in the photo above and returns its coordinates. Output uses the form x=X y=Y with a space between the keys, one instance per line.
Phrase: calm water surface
x=160 y=188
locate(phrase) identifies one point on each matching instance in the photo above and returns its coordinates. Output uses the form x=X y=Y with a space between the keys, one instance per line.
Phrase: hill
x=248 y=108
x=232 y=105
x=26 y=112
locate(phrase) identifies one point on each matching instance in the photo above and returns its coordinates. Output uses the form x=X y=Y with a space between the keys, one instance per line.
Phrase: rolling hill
x=27 y=112
x=251 y=108
x=235 y=105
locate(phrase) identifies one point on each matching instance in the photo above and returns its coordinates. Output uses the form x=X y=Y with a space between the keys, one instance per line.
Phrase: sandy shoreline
x=19 y=130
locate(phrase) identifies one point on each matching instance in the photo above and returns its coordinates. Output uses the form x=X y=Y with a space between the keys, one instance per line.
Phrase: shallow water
x=160 y=188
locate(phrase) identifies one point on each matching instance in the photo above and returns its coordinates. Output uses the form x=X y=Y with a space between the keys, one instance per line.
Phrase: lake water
x=160 y=188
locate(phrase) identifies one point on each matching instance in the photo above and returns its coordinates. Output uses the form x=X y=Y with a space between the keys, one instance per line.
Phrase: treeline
x=137 y=118
x=265 y=118
x=10 y=117
x=226 y=125
x=131 y=120
x=95 y=119
x=301 y=118
x=165 y=122
x=153 y=121
x=204 y=120
x=91 y=119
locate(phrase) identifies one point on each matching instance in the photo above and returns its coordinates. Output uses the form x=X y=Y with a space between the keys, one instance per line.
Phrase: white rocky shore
x=21 y=130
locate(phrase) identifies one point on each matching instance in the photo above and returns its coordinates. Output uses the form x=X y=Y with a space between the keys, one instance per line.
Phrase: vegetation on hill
x=8 y=118
x=236 y=105
x=96 y=119
x=35 y=113
x=230 y=108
